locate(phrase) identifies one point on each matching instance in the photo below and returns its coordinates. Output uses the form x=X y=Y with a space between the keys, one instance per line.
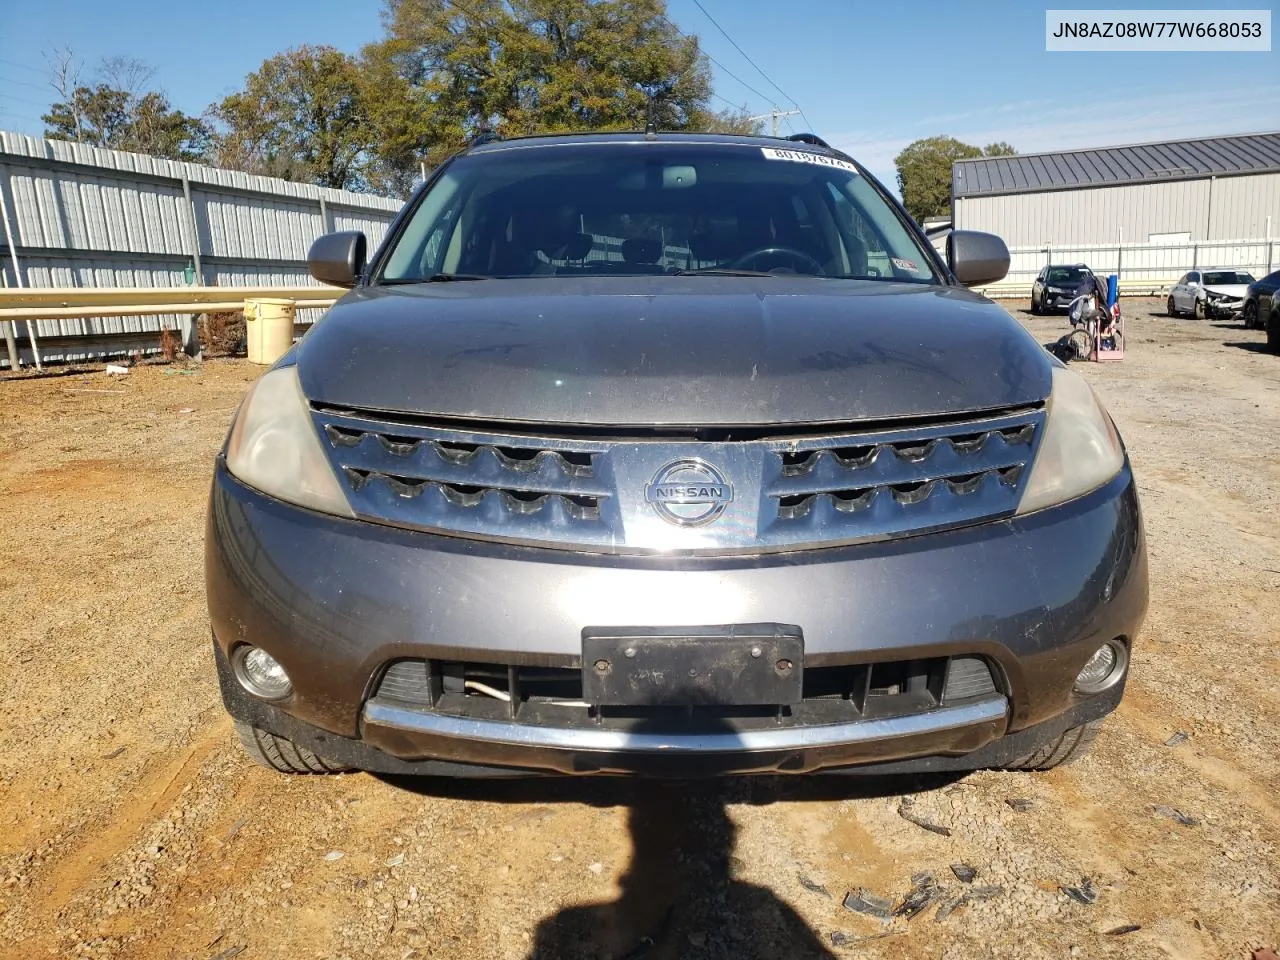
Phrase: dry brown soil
x=132 y=826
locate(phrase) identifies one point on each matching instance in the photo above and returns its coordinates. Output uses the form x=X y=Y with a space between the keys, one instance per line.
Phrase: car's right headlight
x=1080 y=449
x=274 y=447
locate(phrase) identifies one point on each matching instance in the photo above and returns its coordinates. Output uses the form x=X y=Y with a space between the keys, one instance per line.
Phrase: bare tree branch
x=129 y=74
x=64 y=76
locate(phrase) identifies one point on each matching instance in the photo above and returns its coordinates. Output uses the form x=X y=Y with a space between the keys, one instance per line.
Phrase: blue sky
x=871 y=77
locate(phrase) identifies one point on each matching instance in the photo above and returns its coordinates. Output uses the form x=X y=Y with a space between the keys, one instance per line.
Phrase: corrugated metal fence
x=88 y=217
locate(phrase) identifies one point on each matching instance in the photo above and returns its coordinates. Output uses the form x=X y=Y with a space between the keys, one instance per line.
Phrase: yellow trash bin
x=268 y=327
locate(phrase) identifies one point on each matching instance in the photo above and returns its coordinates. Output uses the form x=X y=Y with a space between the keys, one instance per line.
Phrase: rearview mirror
x=338 y=258
x=976 y=258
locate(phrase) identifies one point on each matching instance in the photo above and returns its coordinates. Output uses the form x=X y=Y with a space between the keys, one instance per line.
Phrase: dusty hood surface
x=680 y=351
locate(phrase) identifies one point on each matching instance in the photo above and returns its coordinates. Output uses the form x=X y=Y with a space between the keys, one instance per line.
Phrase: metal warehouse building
x=1190 y=191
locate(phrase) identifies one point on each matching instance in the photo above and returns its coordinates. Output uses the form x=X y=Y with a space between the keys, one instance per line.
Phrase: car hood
x=1227 y=289
x=671 y=350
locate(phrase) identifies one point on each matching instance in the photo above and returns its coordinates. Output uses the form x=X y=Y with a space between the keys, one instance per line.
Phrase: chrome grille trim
x=588 y=492
x=479 y=485
x=903 y=481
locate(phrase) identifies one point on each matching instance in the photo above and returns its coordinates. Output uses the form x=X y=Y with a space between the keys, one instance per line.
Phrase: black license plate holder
x=733 y=665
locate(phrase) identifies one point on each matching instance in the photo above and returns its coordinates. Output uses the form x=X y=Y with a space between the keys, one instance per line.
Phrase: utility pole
x=773 y=116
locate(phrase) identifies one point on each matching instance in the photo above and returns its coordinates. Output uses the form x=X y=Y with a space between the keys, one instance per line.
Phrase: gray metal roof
x=1107 y=166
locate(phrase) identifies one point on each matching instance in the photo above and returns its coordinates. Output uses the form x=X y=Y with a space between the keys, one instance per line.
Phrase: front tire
x=1199 y=309
x=281 y=754
x=1067 y=748
x=1173 y=312
x=1251 y=315
x=1273 y=332
x=1035 y=307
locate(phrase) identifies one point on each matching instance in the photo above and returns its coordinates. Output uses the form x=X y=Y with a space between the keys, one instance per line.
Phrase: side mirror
x=338 y=258
x=976 y=257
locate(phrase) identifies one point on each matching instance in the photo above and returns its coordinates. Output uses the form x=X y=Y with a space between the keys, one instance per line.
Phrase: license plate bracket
x=756 y=664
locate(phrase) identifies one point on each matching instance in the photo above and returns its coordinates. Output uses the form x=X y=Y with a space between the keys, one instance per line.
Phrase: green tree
x=451 y=69
x=924 y=172
x=300 y=116
x=119 y=113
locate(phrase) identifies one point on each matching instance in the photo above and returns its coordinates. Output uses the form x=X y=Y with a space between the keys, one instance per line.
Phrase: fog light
x=260 y=673
x=1104 y=668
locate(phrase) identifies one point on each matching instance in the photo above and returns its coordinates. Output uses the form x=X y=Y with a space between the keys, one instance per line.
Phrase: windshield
x=1066 y=275
x=1227 y=276
x=653 y=209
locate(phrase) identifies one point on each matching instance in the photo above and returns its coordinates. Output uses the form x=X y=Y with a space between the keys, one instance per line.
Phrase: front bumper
x=334 y=600
x=1223 y=309
x=1058 y=301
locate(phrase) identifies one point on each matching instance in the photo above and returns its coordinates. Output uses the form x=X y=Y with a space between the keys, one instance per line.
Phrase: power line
x=763 y=96
x=715 y=23
x=19 y=116
x=34 y=103
x=728 y=102
x=22 y=66
x=24 y=83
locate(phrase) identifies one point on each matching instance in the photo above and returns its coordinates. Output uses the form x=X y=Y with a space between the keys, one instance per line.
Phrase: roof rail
x=812 y=138
x=483 y=138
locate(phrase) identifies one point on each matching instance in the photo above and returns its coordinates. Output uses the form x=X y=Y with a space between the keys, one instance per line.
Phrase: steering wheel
x=798 y=258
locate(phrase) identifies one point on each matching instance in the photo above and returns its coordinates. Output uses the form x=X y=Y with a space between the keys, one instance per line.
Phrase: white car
x=1210 y=293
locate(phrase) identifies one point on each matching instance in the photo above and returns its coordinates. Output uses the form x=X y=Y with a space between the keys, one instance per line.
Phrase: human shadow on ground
x=683 y=894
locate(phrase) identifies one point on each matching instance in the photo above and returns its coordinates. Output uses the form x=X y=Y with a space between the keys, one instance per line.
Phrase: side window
x=1183 y=279
x=1193 y=277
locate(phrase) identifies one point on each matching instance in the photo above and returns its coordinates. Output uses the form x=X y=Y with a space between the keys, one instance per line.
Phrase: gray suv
x=668 y=454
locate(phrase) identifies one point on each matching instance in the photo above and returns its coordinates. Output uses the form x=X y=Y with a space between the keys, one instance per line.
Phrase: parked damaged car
x=1217 y=294
x=669 y=454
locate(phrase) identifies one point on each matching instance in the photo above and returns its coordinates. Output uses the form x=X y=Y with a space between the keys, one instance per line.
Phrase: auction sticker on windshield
x=803 y=156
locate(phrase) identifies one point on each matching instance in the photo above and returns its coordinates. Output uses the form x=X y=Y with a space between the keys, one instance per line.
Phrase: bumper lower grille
x=552 y=696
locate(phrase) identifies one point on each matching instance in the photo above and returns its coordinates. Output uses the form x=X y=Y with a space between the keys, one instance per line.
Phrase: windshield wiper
x=730 y=272
x=434 y=278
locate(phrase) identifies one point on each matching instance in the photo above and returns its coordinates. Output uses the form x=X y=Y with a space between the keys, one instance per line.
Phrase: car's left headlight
x=274 y=447
x=1080 y=449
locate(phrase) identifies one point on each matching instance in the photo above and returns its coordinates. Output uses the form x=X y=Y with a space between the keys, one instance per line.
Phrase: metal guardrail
x=1131 y=288
x=51 y=303
x=55 y=303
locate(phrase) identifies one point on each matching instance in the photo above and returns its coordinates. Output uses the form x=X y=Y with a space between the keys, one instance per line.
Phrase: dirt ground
x=132 y=826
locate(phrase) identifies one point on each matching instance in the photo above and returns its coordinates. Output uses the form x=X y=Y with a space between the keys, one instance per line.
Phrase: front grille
x=553 y=696
x=574 y=488
x=450 y=480
x=905 y=481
